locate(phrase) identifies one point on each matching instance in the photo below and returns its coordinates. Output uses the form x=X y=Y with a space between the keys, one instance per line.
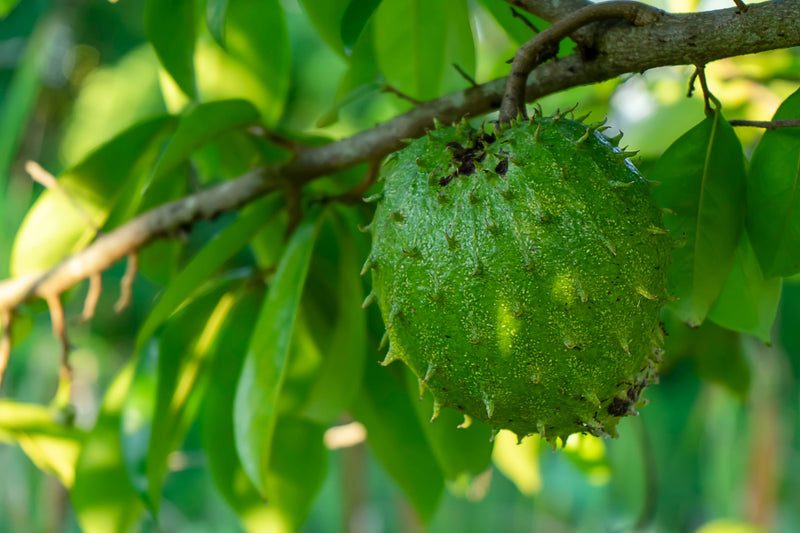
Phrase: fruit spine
x=520 y=271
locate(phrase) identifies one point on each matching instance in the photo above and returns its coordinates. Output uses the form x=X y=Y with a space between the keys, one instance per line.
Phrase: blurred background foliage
x=716 y=449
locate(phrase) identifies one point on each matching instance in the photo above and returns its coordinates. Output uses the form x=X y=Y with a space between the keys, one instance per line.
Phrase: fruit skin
x=520 y=272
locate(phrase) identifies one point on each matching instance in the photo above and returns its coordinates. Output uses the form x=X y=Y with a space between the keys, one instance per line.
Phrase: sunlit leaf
x=54 y=227
x=327 y=17
x=229 y=241
x=773 y=187
x=264 y=368
x=103 y=497
x=6 y=6
x=354 y=19
x=216 y=415
x=167 y=387
x=703 y=179
x=519 y=462
x=459 y=47
x=417 y=28
x=170 y=28
x=748 y=303
x=297 y=469
x=52 y=445
x=395 y=435
x=256 y=35
x=199 y=125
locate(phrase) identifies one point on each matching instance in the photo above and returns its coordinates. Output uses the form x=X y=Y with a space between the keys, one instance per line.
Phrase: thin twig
x=741 y=6
x=692 y=79
x=708 y=97
x=92 y=297
x=549 y=10
x=356 y=194
x=517 y=15
x=60 y=332
x=5 y=341
x=464 y=75
x=544 y=46
x=126 y=283
x=403 y=96
x=767 y=124
x=48 y=181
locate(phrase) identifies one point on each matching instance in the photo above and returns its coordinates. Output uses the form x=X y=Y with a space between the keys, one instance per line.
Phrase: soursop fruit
x=520 y=272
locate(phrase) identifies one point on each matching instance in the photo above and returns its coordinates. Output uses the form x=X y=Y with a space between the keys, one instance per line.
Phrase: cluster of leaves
x=259 y=337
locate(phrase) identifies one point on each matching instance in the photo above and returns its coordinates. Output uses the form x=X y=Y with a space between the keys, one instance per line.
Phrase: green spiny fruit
x=520 y=272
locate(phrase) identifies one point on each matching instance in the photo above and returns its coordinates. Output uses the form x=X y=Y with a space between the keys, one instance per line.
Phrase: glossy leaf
x=6 y=6
x=167 y=386
x=702 y=179
x=256 y=35
x=773 y=195
x=396 y=437
x=519 y=462
x=170 y=27
x=198 y=126
x=53 y=446
x=328 y=18
x=103 y=498
x=224 y=246
x=264 y=368
x=215 y=19
x=459 y=450
x=417 y=28
x=716 y=353
x=516 y=29
x=54 y=228
x=216 y=415
x=748 y=303
x=338 y=379
x=297 y=469
x=354 y=19
x=459 y=46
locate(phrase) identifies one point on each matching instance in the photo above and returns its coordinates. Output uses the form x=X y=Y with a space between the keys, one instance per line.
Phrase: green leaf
x=417 y=28
x=395 y=435
x=6 y=6
x=199 y=125
x=224 y=246
x=215 y=19
x=703 y=179
x=328 y=17
x=516 y=29
x=216 y=414
x=519 y=462
x=54 y=228
x=52 y=446
x=748 y=303
x=263 y=374
x=460 y=46
x=256 y=34
x=460 y=451
x=354 y=19
x=167 y=388
x=170 y=27
x=297 y=469
x=183 y=374
x=773 y=188
x=103 y=497
x=339 y=377
x=715 y=352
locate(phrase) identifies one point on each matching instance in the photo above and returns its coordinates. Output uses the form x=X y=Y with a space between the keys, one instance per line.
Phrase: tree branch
x=768 y=124
x=686 y=39
x=550 y=10
x=544 y=46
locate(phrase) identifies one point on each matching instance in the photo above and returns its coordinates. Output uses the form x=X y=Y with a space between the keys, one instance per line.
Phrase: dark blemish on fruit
x=447 y=179
x=467 y=168
x=502 y=167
